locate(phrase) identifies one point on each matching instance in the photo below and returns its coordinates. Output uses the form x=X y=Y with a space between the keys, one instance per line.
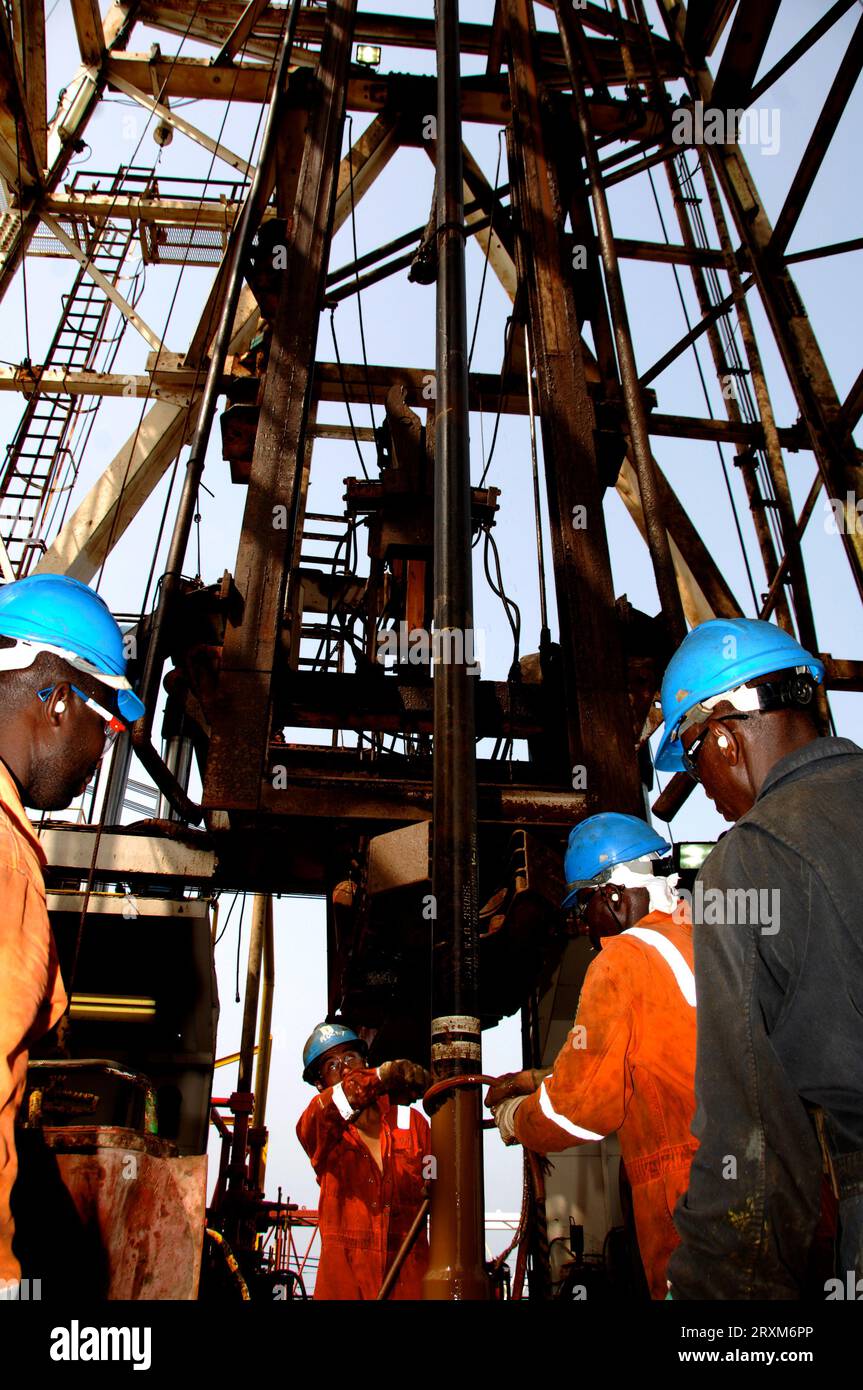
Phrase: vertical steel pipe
x=642 y=458
x=237 y=1175
x=265 y=1042
x=457 y=1236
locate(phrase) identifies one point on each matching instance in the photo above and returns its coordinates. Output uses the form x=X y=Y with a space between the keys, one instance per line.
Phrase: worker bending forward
x=628 y=1064
x=368 y=1153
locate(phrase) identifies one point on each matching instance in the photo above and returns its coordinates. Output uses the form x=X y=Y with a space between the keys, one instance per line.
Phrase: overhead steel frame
x=581 y=396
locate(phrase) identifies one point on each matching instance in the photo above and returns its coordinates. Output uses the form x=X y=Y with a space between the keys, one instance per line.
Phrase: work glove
x=361 y=1087
x=515 y=1083
x=403 y=1081
x=504 y=1117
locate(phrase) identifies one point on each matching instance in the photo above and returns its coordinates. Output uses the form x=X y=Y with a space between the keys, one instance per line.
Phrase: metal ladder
x=31 y=475
x=321 y=645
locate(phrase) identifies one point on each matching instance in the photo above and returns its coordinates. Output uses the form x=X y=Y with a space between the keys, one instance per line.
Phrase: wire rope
x=507 y=343
x=345 y=393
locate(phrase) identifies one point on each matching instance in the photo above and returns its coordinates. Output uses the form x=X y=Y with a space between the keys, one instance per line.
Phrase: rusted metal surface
x=242 y=720
x=140 y=1210
x=744 y=49
x=595 y=703
x=456 y=1229
x=633 y=392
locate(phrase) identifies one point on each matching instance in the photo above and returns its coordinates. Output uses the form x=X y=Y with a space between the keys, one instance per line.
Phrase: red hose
x=451 y=1082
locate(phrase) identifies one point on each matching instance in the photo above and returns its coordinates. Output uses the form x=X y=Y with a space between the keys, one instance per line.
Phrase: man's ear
x=726 y=741
x=57 y=704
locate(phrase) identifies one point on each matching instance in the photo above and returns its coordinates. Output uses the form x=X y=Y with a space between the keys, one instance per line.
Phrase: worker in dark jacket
x=778 y=942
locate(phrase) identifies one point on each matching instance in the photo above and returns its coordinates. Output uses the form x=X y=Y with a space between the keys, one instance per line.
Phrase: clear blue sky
x=399 y=324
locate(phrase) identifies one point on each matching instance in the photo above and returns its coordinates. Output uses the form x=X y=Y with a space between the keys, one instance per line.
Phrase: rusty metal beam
x=352 y=793
x=852 y=407
x=596 y=703
x=216 y=22
x=29 y=25
x=241 y=30
x=703 y=325
x=484 y=100
x=705 y=21
x=88 y=27
x=496 y=41
x=369 y=156
x=817 y=253
x=668 y=253
x=735 y=431
x=743 y=52
x=633 y=391
x=797 y=50
x=819 y=142
x=19 y=164
x=241 y=726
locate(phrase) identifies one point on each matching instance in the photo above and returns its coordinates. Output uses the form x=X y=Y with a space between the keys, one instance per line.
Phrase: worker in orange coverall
x=628 y=1064
x=62 y=689
x=368 y=1153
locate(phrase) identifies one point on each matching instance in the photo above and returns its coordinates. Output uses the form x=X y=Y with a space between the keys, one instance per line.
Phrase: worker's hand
x=504 y=1117
x=514 y=1083
x=403 y=1081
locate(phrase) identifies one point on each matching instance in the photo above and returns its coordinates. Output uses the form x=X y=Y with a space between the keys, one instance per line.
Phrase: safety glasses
x=690 y=754
x=336 y=1065
x=113 y=725
x=581 y=904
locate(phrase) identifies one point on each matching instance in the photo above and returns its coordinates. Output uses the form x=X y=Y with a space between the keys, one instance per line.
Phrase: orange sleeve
x=587 y=1094
x=32 y=999
x=325 y=1118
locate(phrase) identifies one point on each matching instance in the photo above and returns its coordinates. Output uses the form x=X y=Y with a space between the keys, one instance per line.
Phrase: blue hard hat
x=51 y=612
x=323 y=1039
x=602 y=841
x=718 y=656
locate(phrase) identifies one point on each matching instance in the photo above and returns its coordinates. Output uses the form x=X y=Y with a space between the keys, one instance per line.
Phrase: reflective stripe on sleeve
x=403 y=1117
x=550 y=1113
x=673 y=958
x=341 y=1102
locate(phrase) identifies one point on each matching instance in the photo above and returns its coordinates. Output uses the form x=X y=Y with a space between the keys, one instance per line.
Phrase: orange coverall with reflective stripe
x=32 y=997
x=365 y=1212
x=628 y=1066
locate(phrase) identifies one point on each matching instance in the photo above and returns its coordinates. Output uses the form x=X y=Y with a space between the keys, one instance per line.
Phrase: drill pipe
x=457 y=1237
